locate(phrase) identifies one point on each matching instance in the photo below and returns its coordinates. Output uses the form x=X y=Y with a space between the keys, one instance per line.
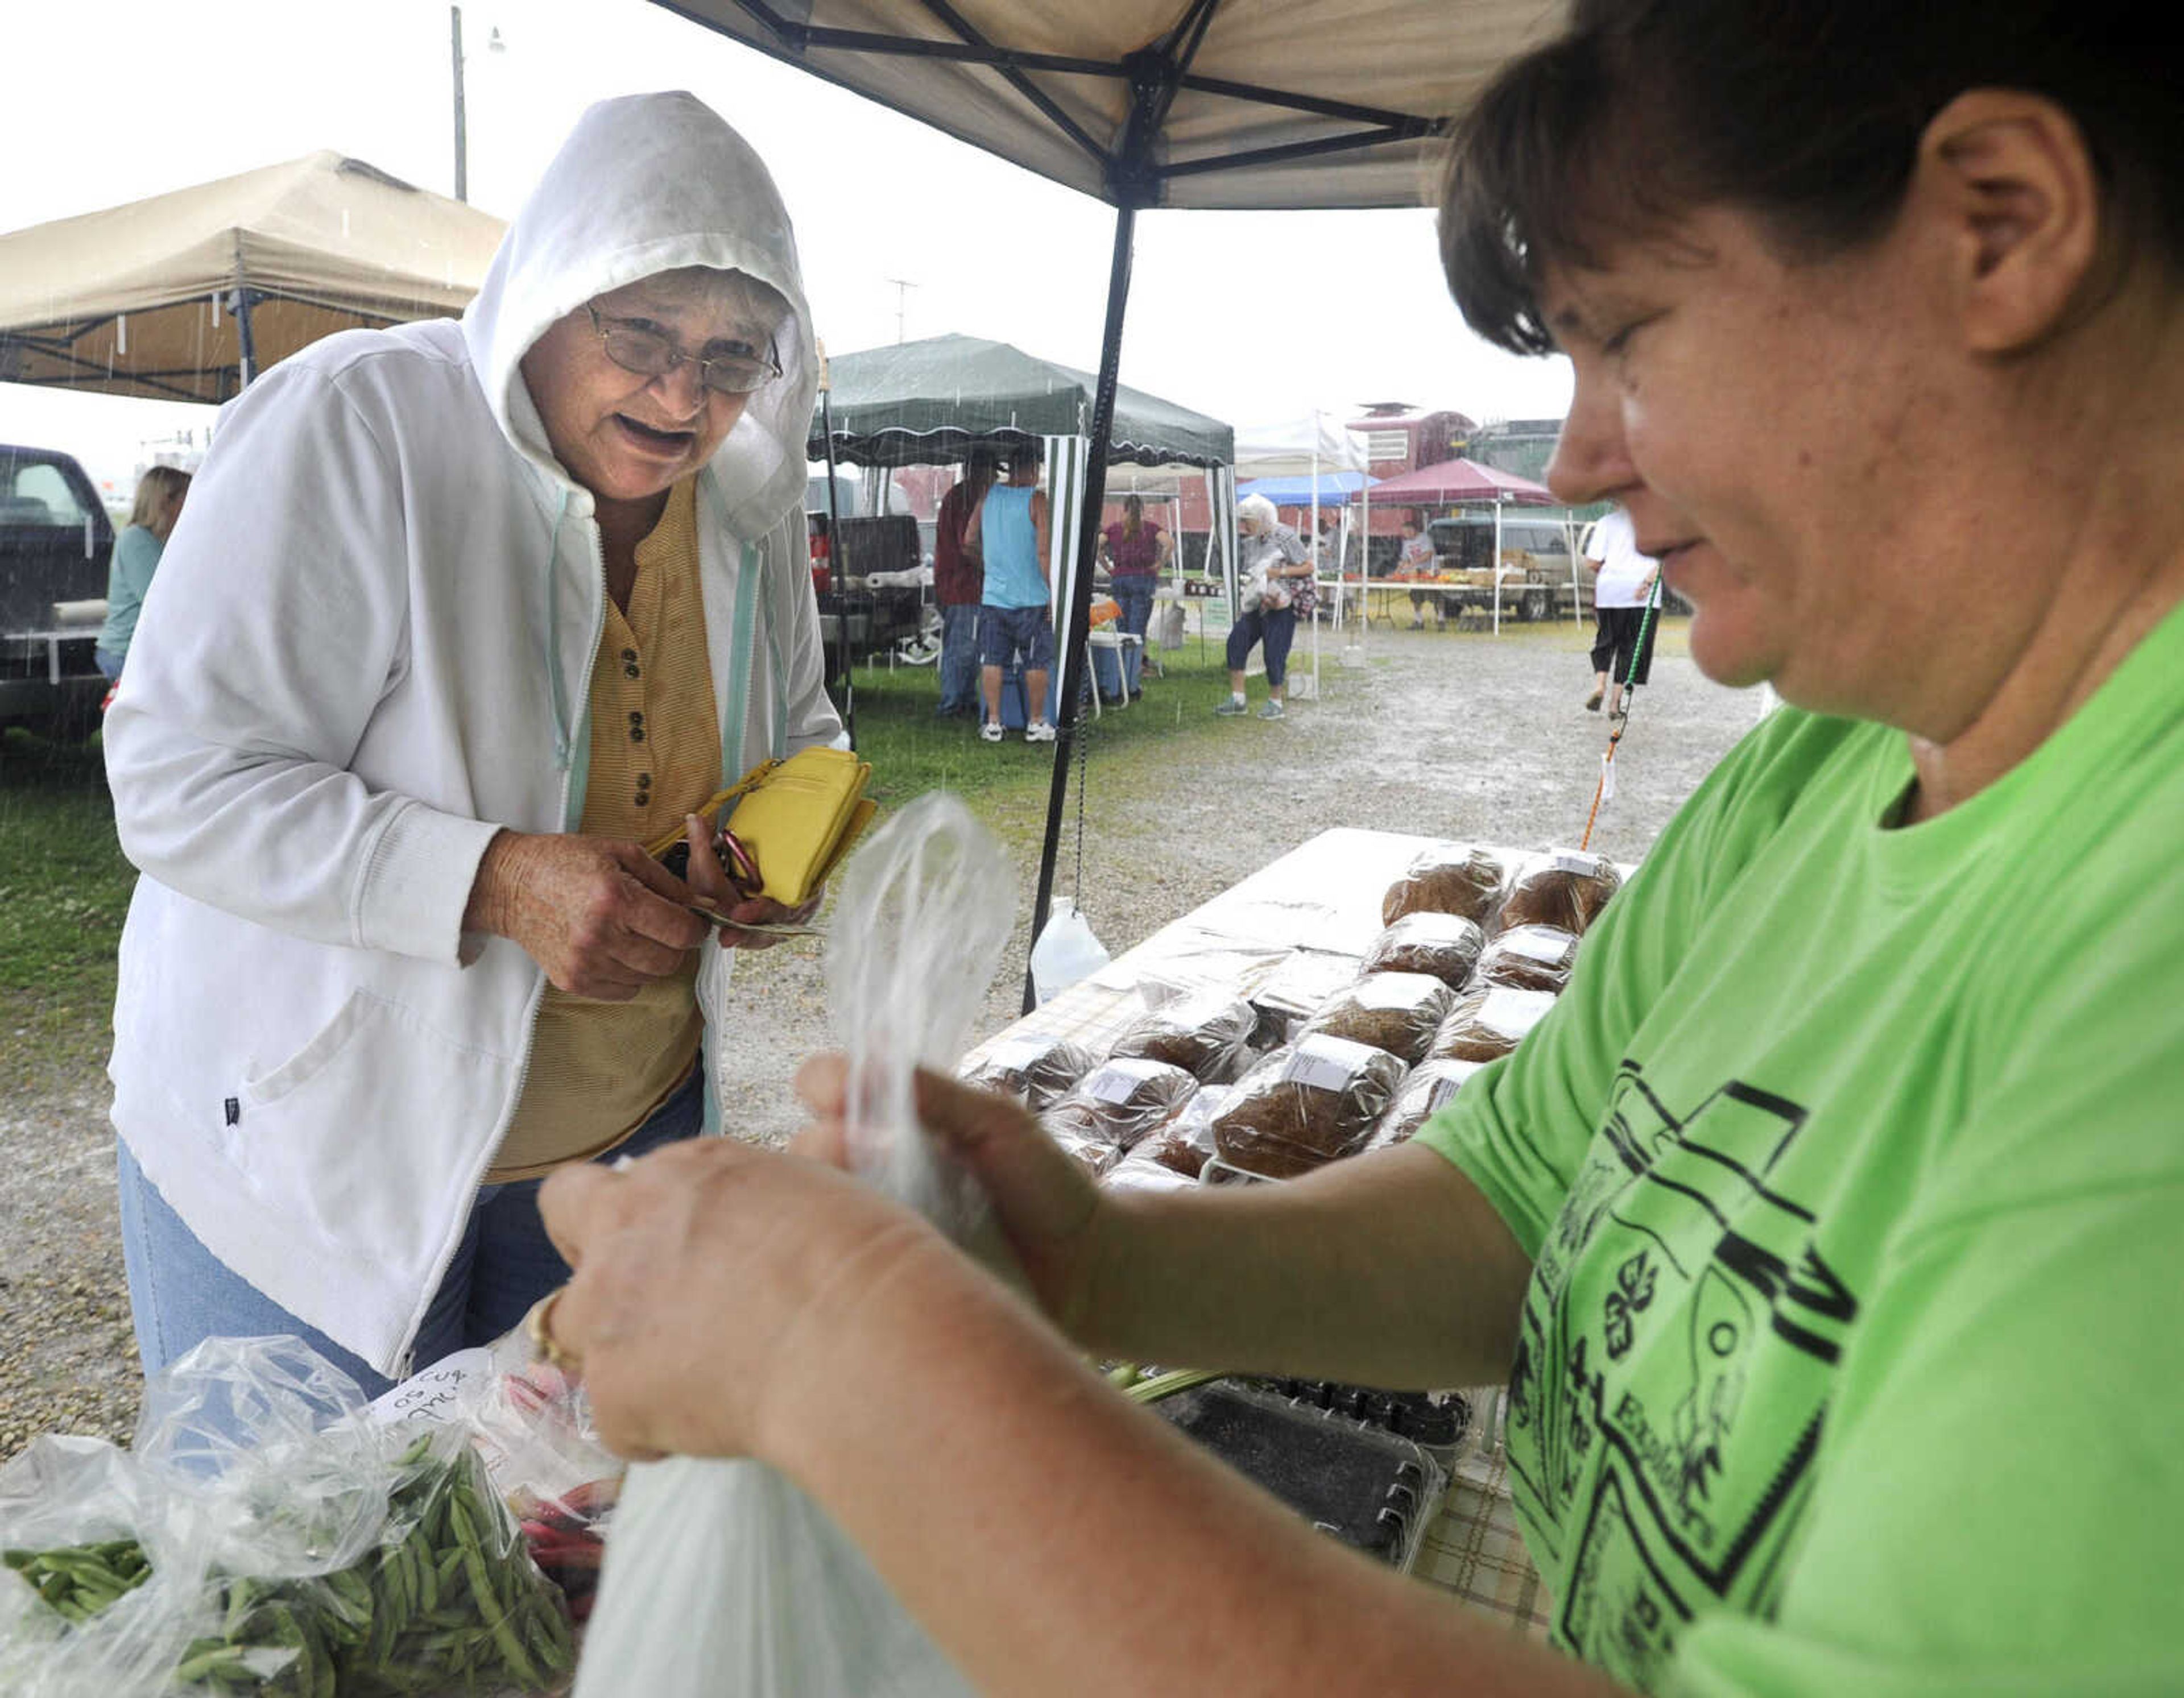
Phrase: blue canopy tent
x=1332 y=488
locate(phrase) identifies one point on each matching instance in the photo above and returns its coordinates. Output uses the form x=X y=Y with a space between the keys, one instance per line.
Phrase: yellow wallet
x=795 y=818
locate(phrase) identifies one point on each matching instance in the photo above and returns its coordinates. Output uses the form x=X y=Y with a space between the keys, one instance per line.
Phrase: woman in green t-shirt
x=1827 y=1230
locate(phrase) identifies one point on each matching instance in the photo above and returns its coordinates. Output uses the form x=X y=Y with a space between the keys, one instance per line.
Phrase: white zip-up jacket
x=369 y=647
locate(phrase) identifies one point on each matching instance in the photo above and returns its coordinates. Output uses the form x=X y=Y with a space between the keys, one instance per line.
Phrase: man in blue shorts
x=1010 y=529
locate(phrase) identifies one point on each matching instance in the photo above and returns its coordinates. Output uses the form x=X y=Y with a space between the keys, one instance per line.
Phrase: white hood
x=645 y=184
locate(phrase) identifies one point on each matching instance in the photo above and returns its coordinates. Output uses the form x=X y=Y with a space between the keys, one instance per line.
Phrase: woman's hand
x=712 y=1280
x=1045 y=1202
x=601 y=914
x=713 y=888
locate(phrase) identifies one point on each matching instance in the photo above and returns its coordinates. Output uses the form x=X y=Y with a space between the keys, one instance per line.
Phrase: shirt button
x=631 y=671
x=637 y=734
x=629 y=654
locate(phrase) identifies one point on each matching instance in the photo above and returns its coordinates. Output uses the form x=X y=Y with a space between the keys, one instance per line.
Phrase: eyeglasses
x=653 y=353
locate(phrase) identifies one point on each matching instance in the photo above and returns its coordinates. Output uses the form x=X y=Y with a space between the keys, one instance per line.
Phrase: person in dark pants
x=1620 y=596
x=1271 y=555
x=959 y=583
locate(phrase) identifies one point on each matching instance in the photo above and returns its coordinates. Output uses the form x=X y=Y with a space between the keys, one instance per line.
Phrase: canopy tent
x=926 y=403
x=1233 y=104
x=1461 y=482
x=1307 y=491
x=1453 y=482
x=185 y=297
x=930 y=402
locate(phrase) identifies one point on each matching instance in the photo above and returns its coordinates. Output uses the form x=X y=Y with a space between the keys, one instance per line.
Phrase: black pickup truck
x=55 y=541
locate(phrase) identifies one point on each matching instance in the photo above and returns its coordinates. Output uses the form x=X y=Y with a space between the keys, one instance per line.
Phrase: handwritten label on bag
x=1119 y=1081
x=1577 y=861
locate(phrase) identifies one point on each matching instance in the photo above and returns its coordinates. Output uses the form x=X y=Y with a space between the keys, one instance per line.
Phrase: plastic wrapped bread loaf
x=1427 y=1090
x=1398 y=1012
x=1306 y=1105
x=1449 y=878
x=1205 y=1031
x=1122 y=1101
x=1034 y=1069
x=1488 y=1023
x=1446 y=945
x=1569 y=889
x=1529 y=958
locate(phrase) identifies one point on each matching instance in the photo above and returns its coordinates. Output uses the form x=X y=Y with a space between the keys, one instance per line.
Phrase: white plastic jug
x=1066 y=952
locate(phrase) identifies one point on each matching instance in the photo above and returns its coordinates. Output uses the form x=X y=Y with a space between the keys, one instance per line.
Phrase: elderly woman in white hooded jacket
x=463 y=614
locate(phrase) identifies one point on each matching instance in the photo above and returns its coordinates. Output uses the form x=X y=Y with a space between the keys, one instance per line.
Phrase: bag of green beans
x=341 y=1559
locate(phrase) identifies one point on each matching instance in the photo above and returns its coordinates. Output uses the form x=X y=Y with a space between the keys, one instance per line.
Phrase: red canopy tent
x=1459 y=480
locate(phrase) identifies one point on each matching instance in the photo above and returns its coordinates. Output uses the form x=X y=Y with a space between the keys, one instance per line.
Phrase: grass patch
x=912 y=751
x=63 y=891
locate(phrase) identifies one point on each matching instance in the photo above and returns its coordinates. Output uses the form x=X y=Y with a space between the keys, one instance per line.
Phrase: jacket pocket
x=368 y=1135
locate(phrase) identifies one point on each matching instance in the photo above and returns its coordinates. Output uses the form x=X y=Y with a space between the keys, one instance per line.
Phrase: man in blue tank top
x=1010 y=529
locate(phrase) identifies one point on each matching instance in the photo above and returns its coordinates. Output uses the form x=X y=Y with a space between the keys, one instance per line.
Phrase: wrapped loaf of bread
x=1297 y=990
x=1035 y=1070
x=1306 y=1105
x=1529 y=958
x=1142 y=1170
x=1449 y=878
x=1569 y=889
x=1205 y=1033
x=1096 y=1154
x=1185 y=1144
x=1122 y=1101
x=1398 y=1012
x=1446 y=945
x=1488 y=1023
x=1427 y=1090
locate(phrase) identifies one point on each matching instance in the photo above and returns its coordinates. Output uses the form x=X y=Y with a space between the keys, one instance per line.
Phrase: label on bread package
x=1326 y=1064
x=1578 y=861
x=1018 y=1053
x=1118 y=1081
x=1448 y=1080
x=1395 y=990
x=1537 y=944
x=1513 y=1012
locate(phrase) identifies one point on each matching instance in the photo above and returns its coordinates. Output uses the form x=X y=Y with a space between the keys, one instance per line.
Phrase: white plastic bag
x=721 y=1577
x=1066 y=952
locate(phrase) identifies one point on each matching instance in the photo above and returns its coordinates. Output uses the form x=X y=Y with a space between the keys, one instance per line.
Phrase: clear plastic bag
x=1398 y=1012
x=1567 y=889
x=267 y=1537
x=1304 y=1106
x=1448 y=878
x=1529 y=958
x=1066 y=951
x=1205 y=1032
x=1121 y=1102
x=1033 y=1067
x=1446 y=945
x=1427 y=1090
x=1488 y=1023
x=722 y=1576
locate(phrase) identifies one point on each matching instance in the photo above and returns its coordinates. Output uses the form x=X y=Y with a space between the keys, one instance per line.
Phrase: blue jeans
x=1275 y=628
x=179 y=1294
x=1135 y=597
x=959 y=659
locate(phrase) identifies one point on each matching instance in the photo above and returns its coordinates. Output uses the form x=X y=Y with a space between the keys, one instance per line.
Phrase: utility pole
x=902 y=286
x=462 y=141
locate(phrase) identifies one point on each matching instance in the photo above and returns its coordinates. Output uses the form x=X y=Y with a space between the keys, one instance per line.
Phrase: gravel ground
x=1459 y=734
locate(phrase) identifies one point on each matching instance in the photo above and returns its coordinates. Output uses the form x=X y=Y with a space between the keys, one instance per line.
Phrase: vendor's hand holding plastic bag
x=722 y=1576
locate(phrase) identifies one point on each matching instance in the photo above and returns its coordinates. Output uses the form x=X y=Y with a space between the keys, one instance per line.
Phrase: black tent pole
x=836 y=579
x=1078 y=616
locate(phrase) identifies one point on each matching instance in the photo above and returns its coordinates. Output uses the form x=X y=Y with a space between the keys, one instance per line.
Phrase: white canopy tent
x=187 y=296
x=1306 y=446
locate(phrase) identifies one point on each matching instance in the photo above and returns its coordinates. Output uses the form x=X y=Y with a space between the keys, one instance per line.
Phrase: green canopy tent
x=929 y=402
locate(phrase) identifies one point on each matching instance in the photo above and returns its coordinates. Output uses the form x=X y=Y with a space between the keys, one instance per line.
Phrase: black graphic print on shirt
x=1677 y=1347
